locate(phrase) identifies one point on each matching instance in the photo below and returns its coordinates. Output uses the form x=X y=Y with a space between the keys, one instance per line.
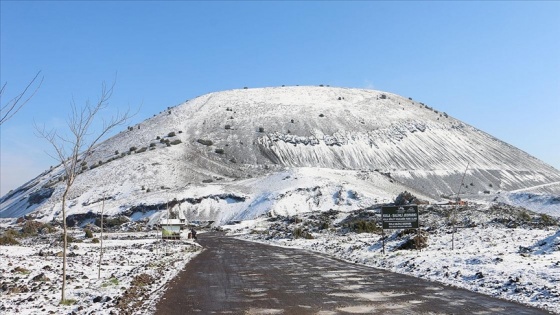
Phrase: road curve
x=238 y=277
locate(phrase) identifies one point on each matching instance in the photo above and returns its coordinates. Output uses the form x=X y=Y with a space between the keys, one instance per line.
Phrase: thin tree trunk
x=101 y=239
x=65 y=244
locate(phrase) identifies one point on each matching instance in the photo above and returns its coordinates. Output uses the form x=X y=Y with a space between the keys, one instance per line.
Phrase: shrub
x=110 y=282
x=153 y=144
x=112 y=222
x=142 y=280
x=300 y=233
x=227 y=127
x=22 y=270
x=31 y=228
x=261 y=129
x=89 y=233
x=69 y=238
x=524 y=216
x=547 y=220
x=95 y=240
x=116 y=152
x=363 y=226
x=132 y=149
x=8 y=240
x=171 y=134
x=158 y=137
x=219 y=151
x=405 y=198
x=205 y=142
x=321 y=115
x=245 y=87
x=416 y=242
x=383 y=96
x=68 y=302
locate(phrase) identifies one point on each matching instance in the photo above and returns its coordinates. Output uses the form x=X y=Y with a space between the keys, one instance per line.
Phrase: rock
x=97 y=299
x=41 y=277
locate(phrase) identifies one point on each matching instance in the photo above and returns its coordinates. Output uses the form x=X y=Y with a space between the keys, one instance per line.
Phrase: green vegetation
x=7 y=240
x=110 y=282
x=524 y=216
x=363 y=226
x=68 y=302
x=89 y=233
x=547 y=220
x=112 y=222
x=300 y=233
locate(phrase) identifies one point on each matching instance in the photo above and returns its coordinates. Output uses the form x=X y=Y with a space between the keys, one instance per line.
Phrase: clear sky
x=494 y=65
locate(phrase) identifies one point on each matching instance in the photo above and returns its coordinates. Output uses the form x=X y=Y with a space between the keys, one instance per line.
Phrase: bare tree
x=101 y=239
x=76 y=146
x=9 y=109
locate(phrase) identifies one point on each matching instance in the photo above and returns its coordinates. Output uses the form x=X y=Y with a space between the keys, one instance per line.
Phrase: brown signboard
x=400 y=217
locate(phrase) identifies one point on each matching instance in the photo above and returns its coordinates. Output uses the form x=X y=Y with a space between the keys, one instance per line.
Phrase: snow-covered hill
x=237 y=154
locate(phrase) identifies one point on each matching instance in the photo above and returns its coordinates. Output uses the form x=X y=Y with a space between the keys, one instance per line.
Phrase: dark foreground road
x=239 y=277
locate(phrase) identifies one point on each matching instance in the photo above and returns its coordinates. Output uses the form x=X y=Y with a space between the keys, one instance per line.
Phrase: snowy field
x=515 y=263
x=135 y=268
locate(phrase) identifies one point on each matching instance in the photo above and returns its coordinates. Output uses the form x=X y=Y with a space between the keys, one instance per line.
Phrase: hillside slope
x=229 y=155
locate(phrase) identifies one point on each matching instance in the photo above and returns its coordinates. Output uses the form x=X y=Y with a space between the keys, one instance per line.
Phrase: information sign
x=400 y=217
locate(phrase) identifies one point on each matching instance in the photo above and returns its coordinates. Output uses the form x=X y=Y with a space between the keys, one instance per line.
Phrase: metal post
x=383 y=238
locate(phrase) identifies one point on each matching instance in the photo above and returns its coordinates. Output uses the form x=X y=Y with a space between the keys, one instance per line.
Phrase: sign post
x=399 y=217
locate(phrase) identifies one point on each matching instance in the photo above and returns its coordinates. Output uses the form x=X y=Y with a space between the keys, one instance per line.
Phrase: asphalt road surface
x=238 y=277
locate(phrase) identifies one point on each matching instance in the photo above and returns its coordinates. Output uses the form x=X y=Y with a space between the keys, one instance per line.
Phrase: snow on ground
x=135 y=270
x=515 y=263
x=539 y=202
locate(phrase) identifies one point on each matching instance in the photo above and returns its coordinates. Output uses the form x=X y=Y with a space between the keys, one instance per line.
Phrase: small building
x=171 y=228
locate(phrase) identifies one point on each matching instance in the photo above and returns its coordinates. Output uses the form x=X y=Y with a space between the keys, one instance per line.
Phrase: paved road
x=238 y=277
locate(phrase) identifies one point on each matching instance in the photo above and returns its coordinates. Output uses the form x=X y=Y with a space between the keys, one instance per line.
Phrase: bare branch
x=80 y=121
x=15 y=104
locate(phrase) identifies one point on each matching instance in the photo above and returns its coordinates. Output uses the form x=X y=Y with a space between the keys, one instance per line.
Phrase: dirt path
x=238 y=277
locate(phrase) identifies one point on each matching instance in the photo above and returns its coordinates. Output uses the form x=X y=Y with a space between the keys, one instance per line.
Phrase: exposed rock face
x=227 y=142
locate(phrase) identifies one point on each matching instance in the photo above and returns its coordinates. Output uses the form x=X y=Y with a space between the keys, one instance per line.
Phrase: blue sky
x=494 y=65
